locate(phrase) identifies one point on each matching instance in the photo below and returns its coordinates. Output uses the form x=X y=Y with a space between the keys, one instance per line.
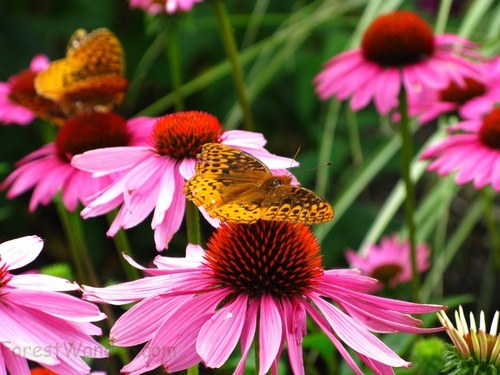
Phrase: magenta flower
x=154 y=175
x=473 y=154
x=19 y=103
x=264 y=277
x=390 y=261
x=39 y=323
x=473 y=99
x=49 y=168
x=164 y=6
x=398 y=49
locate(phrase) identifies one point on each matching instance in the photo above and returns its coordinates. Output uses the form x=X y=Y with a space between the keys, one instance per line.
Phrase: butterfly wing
x=233 y=163
x=101 y=51
x=89 y=56
x=52 y=82
x=225 y=181
x=296 y=203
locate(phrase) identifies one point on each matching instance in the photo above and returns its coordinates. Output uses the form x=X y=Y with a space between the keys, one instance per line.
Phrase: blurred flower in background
x=164 y=6
x=39 y=323
x=48 y=170
x=473 y=99
x=472 y=150
x=398 y=50
x=19 y=102
x=390 y=261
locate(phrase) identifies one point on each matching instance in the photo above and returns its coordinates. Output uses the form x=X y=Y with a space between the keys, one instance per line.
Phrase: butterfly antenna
x=313 y=168
x=294 y=158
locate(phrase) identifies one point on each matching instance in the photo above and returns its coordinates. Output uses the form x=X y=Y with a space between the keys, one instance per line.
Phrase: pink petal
x=387 y=88
x=356 y=336
x=56 y=304
x=320 y=320
x=364 y=93
x=270 y=335
x=295 y=329
x=21 y=251
x=247 y=335
x=128 y=292
x=14 y=363
x=168 y=186
x=112 y=159
x=243 y=138
x=130 y=330
x=219 y=335
x=42 y=282
x=39 y=63
x=186 y=168
x=172 y=220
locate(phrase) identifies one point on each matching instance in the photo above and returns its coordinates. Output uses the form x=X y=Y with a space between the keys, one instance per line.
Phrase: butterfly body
x=234 y=186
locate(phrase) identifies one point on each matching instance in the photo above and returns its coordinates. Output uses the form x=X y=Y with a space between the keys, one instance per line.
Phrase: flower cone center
x=457 y=94
x=181 y=135
x=398 y=38
x=91 y=131
x=489 y=134
x=266 y=258
x=24 y=82
x=386 y=272
x=41 y=371
x=23 y=93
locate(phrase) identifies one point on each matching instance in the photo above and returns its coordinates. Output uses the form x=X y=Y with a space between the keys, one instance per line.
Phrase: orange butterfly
x=91 y=75
x=234 y=186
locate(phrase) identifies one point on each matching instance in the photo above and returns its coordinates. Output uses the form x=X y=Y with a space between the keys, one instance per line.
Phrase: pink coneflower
x=390 y=261
x=473 y=99
x=398 y=49
x=19 y=103
x=49 y=168
x=164 y=6
x=264 y=277
x=39 y=323
x=155 y=175
x=473 y=154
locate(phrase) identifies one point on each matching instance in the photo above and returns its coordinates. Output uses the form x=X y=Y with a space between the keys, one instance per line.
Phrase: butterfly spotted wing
x=90 y=75
x=234 y=186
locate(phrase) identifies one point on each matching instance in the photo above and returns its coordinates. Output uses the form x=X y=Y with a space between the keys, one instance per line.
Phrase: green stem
x=406 y=156
x=73 y=231
x=193 y=223
x=122 y=246
x=354 y=141
x=492 y=228
x=325 y=149
x=442 y=18
x=193 y=370
x=173 y=54
x=231 y=49
x=194 y=237
x=85 y=271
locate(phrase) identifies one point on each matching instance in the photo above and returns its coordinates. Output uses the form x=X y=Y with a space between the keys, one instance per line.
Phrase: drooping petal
x=356 y=336
x=248 y=334
x=270 y=333
x=218 y=337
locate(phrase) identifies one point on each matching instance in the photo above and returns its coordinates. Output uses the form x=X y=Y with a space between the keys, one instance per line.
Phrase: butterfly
x=234 y=186
x=91 y=75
